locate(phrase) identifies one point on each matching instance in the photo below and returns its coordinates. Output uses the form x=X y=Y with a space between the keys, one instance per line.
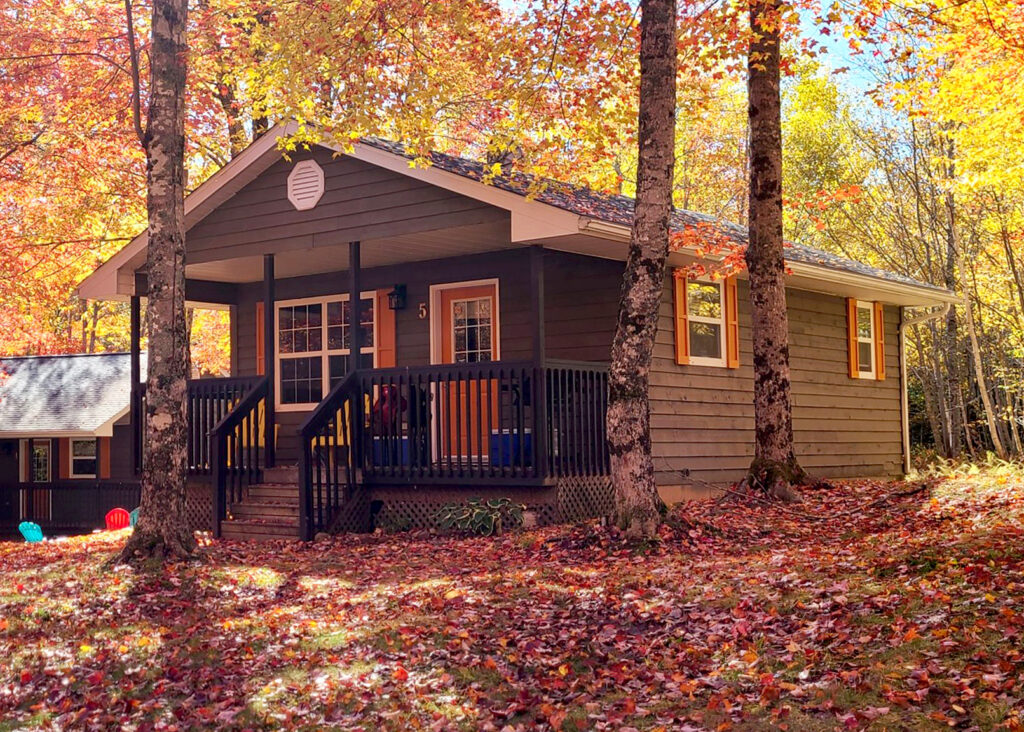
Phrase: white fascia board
x=45 y=434
x=899 y=292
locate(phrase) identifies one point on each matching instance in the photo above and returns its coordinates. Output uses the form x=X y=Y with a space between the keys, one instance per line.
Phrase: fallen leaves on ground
x=868 y=606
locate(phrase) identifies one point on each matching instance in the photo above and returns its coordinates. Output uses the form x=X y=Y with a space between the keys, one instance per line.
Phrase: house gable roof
x=82 y=394
x=541 y=210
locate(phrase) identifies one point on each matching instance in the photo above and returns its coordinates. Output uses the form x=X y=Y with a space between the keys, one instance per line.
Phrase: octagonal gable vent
x=305 y=185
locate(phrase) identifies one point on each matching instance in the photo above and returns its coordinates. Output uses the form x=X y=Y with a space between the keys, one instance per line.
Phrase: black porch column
x=542 y=432
x=269 y=314
x=135 y=398
x=355 y=289
x=355 y=331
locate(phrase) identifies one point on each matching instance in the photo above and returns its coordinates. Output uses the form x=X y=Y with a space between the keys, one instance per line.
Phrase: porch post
x=542 y=432
x=355 y=288
x=135 y=398
x=269 y=364
x=30 y=477
x=537 y=301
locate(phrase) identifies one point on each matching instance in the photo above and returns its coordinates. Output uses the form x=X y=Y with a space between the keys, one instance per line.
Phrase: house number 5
x=423 y=311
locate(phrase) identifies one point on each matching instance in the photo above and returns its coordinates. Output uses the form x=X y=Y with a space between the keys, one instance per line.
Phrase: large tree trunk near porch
x=637 y=504
x=162 y=531
x=774 y=469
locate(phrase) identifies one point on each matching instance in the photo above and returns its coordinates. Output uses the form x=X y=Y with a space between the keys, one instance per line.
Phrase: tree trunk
x=162 y=531
x=637 y=504
x=775 y=468
x=979 y=374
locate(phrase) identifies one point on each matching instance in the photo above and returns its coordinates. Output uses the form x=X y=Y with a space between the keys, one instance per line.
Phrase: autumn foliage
x=872 y=606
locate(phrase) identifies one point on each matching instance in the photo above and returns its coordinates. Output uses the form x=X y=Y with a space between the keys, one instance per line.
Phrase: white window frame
x=325 y=353
x=870 y=307
x=71 y=456
x=720 y=322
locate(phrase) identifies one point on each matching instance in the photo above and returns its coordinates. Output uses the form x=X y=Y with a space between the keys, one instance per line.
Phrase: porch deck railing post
x=269 y=315
x=306 y=489
x=135 y=401
x=30 y=478
x=218 y=458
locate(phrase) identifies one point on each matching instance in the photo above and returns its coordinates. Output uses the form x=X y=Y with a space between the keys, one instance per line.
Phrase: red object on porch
x=118 y=518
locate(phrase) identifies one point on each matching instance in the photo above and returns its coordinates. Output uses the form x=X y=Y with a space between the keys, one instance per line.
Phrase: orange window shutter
x=732 y=323
x=63 y=446
x=879 y=341
x=103 y=446
x=851 y=337
x=681 y=319
x=387 y=352
x=260 y=345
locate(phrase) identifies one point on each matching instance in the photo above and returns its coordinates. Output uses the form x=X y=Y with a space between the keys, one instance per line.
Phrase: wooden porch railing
x=499 y=423
x=238 y=448
x=66 y=505
x=209 y=401
x=327 y=470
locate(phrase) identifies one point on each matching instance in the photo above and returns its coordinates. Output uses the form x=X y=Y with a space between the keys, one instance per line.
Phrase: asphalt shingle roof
x=70 y=393
x=619 y=210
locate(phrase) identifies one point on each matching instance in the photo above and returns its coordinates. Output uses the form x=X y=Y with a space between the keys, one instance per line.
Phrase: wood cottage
x=65 y=441
x=475 y=362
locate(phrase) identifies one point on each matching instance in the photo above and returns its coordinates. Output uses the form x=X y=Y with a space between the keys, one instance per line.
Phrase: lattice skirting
x=570 y=500
x=199 y=504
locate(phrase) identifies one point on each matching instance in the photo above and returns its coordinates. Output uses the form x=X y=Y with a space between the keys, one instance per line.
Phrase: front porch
x=462 y=423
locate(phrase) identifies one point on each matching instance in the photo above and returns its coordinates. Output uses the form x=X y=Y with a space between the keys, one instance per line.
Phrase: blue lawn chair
x=133 y=518
x=30 y=531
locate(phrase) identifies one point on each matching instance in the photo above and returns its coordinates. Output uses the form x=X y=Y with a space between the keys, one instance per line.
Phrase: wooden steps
x=269 y=511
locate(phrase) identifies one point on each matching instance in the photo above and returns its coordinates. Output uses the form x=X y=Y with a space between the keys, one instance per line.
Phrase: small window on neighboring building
x=83 y=458
x=706 y=315
x=41 y=461
x=866 y=339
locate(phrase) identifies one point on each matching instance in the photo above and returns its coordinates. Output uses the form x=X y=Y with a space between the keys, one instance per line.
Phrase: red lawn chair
x=118 y=518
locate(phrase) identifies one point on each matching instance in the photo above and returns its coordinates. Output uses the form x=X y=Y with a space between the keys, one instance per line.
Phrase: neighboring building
x=486 y=317
x=65 y=439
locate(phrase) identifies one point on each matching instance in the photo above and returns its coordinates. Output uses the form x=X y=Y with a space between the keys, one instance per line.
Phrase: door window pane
x=41 y=462
x=472 y=330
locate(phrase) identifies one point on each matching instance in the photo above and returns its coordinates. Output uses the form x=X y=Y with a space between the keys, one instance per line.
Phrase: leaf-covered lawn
x=860 y=609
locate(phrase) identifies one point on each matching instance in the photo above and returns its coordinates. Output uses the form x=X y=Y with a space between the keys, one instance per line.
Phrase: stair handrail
x=246 y=406
x=311 y=429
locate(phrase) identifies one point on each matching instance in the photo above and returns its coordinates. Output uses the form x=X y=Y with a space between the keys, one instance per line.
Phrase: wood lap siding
x=702 y=417
x=360 y=201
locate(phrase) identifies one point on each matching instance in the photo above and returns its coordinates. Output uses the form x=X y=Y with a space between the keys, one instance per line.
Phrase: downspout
x=904 y=399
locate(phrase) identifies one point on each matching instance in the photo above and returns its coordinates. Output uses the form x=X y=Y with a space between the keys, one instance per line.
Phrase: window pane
x=301 y=381
x=83 y=448
x=83 y=466
x=863 y=322
x=705 y=340
x=705 y=299
x=334 y=312
x=864 y=351
x=41 y=462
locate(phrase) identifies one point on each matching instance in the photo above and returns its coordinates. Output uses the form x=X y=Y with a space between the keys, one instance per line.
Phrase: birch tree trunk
x=637 y=504
x=162 y=531
x=774 y=469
